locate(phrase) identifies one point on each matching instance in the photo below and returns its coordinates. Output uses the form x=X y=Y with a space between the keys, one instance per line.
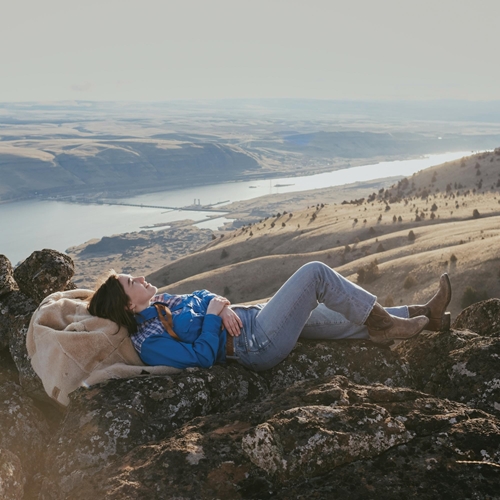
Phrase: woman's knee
x=314 y=267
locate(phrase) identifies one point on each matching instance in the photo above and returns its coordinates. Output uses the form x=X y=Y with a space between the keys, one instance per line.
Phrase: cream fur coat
x=70 y=348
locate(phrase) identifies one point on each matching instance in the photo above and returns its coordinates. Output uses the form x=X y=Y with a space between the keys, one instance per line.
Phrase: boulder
x=321 y=438
x=458 y=365
x=482 y=317
x=121 y=414
x=44 y=272
x=360 y=360
x=7 y=283
x=108 y=420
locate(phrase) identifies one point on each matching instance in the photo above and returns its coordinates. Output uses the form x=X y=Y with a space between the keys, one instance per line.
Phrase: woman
x=202 y=328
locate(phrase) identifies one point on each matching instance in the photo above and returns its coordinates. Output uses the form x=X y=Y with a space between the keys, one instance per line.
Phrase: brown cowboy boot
x=383 y=327
x=435 y=309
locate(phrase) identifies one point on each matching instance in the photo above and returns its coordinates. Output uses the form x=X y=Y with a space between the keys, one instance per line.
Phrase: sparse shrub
x=283 y=224
x=214 y=237
x=400 y=219
x=368 y=273
x=380 y=217
x=433 y=215
x=471 y=296
x=380 y=248
x=347 y=249
x=453 y=257
x=313 y=216
x=476 y=214
x=272 y=224
x=222 y=236
x=394 y=218
x=434 y=207
x=224 y=254
x=226 y=291
x=411 y=236
x=409 y=282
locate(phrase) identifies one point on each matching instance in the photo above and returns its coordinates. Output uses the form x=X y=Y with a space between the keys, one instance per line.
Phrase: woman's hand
x=216 y=305
x=231 y=321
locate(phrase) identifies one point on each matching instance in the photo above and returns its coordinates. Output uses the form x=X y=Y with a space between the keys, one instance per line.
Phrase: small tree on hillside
x=409 y=282
x=368 y=273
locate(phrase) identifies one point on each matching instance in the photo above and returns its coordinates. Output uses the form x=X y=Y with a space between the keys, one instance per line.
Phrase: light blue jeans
x=270 y=333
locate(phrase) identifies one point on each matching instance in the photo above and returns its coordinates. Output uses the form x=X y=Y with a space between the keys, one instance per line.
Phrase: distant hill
x=96 y=152
x=456 y=230
x=83 y=166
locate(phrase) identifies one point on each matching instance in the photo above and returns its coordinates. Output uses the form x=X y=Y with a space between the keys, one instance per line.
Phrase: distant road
x=193 y=208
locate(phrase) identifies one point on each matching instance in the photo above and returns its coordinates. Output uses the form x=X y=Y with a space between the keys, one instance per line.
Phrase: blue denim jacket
x=203 y=340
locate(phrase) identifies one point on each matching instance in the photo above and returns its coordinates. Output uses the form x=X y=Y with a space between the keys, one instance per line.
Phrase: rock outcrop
x=44 y=272
x=338 y=419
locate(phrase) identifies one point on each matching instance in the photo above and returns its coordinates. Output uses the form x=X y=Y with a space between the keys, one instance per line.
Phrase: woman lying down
x=202 y=328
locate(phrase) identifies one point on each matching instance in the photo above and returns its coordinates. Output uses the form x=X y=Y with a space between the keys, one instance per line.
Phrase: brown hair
x=110 y=301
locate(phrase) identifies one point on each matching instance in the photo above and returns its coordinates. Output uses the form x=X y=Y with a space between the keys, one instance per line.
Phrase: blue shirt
x=203 y=339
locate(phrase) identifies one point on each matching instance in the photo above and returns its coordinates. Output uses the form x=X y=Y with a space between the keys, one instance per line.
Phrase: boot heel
x=441 y=324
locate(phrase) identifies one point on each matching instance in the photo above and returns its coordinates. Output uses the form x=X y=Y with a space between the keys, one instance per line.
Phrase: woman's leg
x=278 y=325
x=325 y=324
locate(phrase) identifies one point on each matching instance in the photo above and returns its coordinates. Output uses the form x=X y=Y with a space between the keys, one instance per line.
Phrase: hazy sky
x=150 y=50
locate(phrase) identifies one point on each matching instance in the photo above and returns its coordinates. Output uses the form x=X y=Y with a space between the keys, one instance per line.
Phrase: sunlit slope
x=251 y=263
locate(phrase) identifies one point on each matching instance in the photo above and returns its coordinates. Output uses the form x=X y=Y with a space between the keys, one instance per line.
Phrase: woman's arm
x=164 y=350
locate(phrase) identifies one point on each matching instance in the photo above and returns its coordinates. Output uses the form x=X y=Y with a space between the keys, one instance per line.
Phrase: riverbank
x=145 y=251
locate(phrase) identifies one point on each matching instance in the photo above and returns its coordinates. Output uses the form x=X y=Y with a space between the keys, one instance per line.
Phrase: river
x=31 y=225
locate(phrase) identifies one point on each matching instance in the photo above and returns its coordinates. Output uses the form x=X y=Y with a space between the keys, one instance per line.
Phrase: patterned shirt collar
x=148 y=322
x=150 y=312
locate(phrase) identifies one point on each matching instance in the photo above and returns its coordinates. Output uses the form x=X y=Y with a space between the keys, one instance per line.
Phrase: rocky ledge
x=339 y=419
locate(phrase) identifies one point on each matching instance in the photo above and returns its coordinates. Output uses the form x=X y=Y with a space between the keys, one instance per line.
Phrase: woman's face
x=138 y=290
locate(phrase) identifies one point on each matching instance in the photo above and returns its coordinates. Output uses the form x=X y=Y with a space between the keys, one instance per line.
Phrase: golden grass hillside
x=457 y=230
